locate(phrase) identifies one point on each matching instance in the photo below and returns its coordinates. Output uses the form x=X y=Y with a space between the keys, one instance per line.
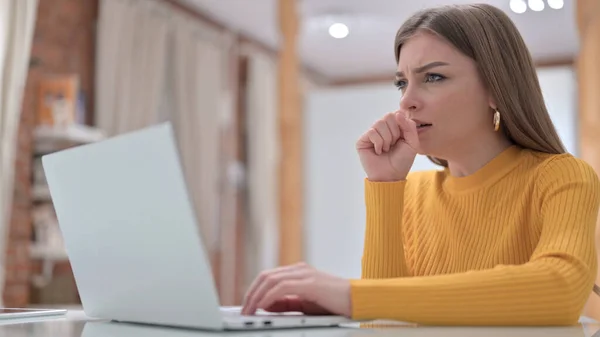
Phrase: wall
x=64 y=41
x=588 y=69
x=559 y=86
x=335 y=118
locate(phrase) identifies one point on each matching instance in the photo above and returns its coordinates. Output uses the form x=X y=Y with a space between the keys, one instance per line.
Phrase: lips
x=421 y=124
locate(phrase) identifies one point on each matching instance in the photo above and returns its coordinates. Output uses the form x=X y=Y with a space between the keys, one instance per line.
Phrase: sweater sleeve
x=550 y=289
x=383 y=254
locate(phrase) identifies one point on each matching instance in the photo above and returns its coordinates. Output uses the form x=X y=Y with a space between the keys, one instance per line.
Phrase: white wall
x=559 y=86
x=335 y=118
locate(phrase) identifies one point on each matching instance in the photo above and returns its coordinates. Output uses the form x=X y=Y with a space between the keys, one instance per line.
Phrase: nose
x=410 y=102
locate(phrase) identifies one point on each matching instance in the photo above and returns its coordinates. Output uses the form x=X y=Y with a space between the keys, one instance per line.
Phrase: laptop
x=133 y=241
x=111 y=329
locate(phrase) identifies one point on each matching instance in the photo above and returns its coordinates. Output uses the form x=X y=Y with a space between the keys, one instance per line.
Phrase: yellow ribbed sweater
x=512 y=244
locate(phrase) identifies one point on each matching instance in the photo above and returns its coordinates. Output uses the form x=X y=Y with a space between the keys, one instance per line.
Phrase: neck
x=474 y=156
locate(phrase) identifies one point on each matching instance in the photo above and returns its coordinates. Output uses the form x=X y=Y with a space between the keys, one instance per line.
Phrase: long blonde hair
x=488 y=36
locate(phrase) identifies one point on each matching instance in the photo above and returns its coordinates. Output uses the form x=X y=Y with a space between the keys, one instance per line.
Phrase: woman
x=503 y=235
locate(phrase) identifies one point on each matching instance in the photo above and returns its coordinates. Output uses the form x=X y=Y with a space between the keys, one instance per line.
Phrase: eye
x=434 y=78
x=400 y=84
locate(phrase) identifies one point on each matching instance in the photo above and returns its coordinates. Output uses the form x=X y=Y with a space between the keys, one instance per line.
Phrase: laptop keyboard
x=235 y=311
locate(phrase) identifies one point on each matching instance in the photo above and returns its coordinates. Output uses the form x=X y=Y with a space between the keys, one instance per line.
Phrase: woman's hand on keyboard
x=298 y=287
x=294 y=303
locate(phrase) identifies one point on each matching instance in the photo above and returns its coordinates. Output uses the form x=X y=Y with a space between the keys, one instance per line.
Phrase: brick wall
x=64 y=42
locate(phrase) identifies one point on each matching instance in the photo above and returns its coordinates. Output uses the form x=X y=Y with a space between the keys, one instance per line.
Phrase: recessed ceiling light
x=338 y=30
x=556 y=4
x=536 y=5
x=518 y=6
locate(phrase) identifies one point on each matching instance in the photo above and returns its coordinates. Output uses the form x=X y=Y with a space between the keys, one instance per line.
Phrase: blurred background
x=267 y=98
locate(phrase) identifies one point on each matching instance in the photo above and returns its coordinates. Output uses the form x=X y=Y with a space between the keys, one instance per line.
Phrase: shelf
x=41 y=193
x=40 y=252
x=50 y=139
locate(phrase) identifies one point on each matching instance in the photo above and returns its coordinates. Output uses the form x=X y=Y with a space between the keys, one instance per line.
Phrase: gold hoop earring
x=496 y=120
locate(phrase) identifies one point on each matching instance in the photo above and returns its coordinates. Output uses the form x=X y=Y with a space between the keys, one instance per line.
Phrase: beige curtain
x=155 y=64
x=199 y=96
x=131 y=58
x=262 y=171
x=17 y=23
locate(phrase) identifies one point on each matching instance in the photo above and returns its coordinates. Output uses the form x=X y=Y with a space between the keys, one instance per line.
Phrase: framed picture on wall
x=58 y=100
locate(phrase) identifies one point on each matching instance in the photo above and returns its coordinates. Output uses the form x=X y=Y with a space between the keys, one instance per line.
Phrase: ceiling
x=368 y=50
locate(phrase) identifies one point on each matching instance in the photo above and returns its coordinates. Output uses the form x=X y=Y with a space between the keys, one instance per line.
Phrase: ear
x=492 y=103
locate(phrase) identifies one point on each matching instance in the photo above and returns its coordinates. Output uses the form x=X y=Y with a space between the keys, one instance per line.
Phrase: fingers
x=390 y=120
x=299 y=287
x=370 y=140
x=269 y=283
x=376 y=139
x=286 y=304
x=293 y=303
x=408 y=129
x=386 y=135
x=268 y=279
x=381 y=136
x=261 y=278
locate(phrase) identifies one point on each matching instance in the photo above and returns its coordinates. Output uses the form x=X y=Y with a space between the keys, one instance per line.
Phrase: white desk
x=76 y=324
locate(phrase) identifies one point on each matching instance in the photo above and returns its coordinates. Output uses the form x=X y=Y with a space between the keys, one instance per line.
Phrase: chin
x=428 y=150
x=423 y=150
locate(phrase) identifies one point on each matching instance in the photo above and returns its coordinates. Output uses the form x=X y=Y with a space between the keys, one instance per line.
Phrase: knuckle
x=374 y=134
x=381 y=124
x=263 y=275
x=271 y=279
x=286 y=285
x=281 y=288
x=311 y=281
x=392 y=123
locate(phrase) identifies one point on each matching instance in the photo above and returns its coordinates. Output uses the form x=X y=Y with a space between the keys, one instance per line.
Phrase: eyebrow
x=424 y=68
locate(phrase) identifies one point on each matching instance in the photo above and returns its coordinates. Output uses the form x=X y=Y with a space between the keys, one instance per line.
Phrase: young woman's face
x=442 y=91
